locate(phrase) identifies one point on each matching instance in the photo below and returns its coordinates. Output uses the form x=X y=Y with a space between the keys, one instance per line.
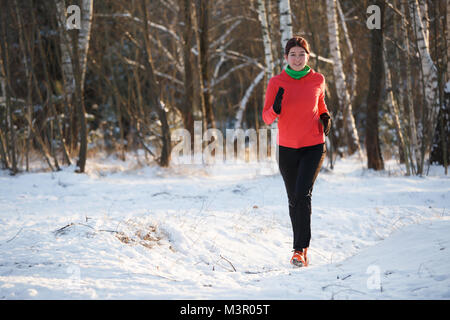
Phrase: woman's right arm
x=268 y=114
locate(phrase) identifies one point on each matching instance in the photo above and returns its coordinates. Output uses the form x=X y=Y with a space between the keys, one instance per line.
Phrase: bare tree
x=5 y=71
x=350 y=130
x=204 y=13
x=154 y=92
x=374 y=157
x=187 y=105
x=429 y=80
x=395 y=111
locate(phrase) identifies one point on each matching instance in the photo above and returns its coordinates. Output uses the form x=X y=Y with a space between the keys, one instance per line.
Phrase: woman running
x=296 y=97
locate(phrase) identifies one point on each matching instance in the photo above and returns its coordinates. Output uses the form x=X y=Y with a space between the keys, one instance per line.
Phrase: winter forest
x=135 y=162
x=142 y=69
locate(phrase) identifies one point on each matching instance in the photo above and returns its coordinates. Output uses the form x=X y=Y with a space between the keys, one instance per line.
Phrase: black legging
x=299 y=169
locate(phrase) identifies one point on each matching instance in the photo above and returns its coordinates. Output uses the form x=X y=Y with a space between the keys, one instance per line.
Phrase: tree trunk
x=394 y=109
x=79 y=104
x=350 y=130
x=28 y=76
x=440 y=152
x=3 y=144
x=354 y=73
x=9 y=107
x=84 y=36
x=187 y=106
x=413 y=143
x=423 y=6
x=429 y=80
x=374 y=157
x=285 y=22
x=154 y=92
x=43 y=56
x=267 y=43
x=67 y=76
x=199 y=73
x=204 y=11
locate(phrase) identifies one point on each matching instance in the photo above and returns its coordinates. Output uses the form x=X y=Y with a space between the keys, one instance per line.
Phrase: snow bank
x=125 y=231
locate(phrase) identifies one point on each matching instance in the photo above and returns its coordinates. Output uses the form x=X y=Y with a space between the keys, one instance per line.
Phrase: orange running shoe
x=298 y=259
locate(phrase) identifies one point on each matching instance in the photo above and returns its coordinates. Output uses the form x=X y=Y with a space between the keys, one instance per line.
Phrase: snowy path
x=221 y=233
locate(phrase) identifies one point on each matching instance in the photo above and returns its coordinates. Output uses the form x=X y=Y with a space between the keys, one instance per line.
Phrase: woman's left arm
x=322 y=105
x=323 y=111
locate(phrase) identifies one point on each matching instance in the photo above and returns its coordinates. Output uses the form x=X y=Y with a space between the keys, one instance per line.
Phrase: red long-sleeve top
x=303 y=102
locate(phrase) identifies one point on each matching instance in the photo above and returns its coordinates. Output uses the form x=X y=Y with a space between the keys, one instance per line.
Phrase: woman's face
x=297 y=58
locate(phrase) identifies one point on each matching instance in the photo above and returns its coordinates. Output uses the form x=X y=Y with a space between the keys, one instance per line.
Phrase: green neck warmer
x=297 y=74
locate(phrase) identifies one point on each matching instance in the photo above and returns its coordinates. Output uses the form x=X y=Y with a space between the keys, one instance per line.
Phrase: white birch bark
x=428 y=67
x=353 y=75
x=430 y=81
x=413 y=144
x=67 y=68
x=83 y=43
x=262 y=15
x=339 y=76
x=84 y=36
x=243 y=103
x=424 y=18
x=285 y=21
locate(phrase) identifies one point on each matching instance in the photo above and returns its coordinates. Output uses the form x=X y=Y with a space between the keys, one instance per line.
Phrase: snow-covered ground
x=221 y=232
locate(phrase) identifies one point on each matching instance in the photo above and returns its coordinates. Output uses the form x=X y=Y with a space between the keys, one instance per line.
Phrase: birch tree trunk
x=430 y=82
x=74 y=60
x=428 y=67
x=66 y=62
x=424 y=19
x=413 y=144
x=70 y=130
x=267 y=43
x=354 y=73
x=84 y=36
x=79 y=103
x=350 y=130
x=285 y=22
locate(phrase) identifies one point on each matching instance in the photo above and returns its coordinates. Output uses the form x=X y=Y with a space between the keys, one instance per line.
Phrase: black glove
x=277 y=104
x=326 y=123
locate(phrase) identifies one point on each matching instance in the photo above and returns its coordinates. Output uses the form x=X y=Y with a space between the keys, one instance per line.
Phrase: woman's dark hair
x=296 y=41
